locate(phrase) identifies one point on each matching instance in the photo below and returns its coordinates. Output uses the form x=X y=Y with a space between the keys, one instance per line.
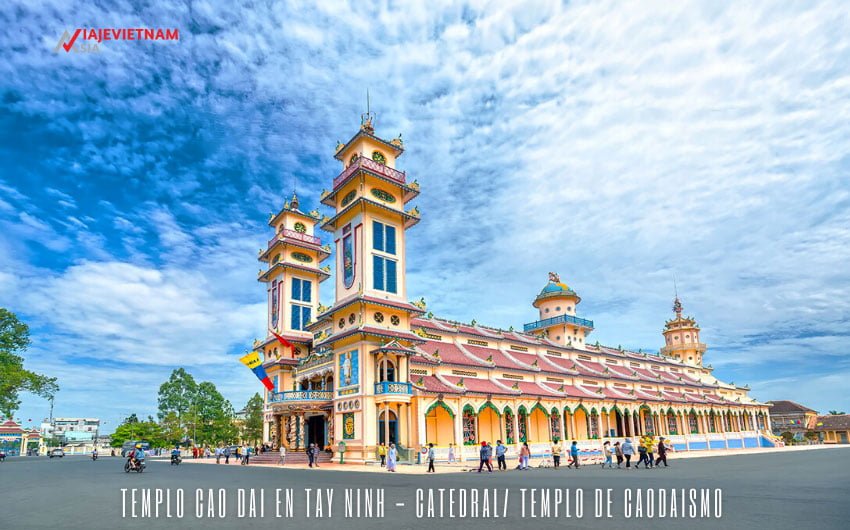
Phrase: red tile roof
x=531 y=388
x=432 y=384
x=449 y=353
x=481 y=386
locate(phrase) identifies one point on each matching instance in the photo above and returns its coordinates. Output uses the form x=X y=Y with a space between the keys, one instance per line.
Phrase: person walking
x=556 y=454
x=628 y=451
x=606 y=451
x=282 y=455
x=618 y=450
x=524 y=455
x=310 y=455
x=382 y=452
x=316 y=454
x=431 y=457
x=452 y=458
x=485 y=453
x=641 y=453
x=500 y=456
x=650 y=450
x=662 y=453
x=574 y=455
x=218 y=455
x=392 y=454
x=246 y=454
x=227 y=455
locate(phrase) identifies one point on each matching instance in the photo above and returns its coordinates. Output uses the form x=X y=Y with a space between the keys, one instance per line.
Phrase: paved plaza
x=794 y=489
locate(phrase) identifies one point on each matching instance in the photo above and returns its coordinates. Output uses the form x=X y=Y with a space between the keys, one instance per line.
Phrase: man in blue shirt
x=574 y=454
x=500 y=456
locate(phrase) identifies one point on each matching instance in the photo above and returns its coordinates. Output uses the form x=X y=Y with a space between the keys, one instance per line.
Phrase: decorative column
x=573 y=425
x=302 y=431
x=386 y=423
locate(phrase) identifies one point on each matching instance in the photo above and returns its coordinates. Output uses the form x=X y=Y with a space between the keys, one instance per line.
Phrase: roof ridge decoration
x=575 y=362
x=468 y=354
x=510 y=389
x=517 y=361
x=558 y=368
x=445 y=381
x=420 y=304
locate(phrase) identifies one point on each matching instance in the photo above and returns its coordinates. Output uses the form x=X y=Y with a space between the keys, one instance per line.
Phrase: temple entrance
x=382 y=428
x=619 y=424
x=316 y=431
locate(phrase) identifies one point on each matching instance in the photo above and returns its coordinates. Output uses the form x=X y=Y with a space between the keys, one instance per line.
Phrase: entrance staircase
x=292 y=457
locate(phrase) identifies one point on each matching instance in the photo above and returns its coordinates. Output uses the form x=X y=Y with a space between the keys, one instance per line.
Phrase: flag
x=253 y=361
x=283 y=341
x=820 y=424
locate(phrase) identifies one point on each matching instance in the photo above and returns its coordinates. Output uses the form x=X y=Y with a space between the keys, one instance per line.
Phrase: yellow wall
x=538 y=427
x=439 y=427
x=488 y=426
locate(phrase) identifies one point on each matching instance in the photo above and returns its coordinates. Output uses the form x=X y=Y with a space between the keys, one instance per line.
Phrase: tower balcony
x=298 y=236
x=392 y=387
x=698 y=346
x=560 y=319
x=300 y=395
x=370 y=165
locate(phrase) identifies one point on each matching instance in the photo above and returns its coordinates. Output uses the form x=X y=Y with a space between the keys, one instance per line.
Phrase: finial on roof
x=677 y=307
x=367 y=117
x=553 y=277
x=294 y=202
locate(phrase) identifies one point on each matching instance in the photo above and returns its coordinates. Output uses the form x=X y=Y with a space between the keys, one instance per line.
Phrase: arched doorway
x=555 y=425
x=522 y=423
x=469 y=425
x=489 y=429
x=580 y=415
x=439 y=424
x=386 y=370
x=384 y=429
x=538 y=425
x=510 y=435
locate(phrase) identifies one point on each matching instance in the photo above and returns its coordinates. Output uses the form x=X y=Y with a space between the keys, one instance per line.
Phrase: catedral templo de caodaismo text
x=376 y=368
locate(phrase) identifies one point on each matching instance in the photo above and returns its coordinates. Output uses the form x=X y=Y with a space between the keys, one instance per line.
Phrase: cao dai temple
x=376 y=368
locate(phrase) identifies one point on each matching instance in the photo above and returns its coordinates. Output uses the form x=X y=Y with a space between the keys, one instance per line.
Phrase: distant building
x=71 y=429
x=787 y=416
x=833 y=428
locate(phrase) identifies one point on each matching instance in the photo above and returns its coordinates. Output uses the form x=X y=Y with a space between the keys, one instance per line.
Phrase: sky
x=621 y=145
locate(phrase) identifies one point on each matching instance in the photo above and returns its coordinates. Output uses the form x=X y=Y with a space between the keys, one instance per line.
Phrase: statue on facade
x=330 y=439
x=553 y=277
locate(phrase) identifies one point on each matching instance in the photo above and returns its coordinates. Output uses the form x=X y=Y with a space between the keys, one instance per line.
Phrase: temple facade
x=374 y=367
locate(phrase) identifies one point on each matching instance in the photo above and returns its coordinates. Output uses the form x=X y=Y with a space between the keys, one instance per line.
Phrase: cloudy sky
x=619 y=144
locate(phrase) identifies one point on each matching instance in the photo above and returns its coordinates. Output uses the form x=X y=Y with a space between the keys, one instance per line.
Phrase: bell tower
x=681 y=336
x=367 y=330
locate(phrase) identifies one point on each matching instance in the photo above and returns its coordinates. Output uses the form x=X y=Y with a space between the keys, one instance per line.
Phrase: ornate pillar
x=573 y=424
x=386 y=417
x=302 y=431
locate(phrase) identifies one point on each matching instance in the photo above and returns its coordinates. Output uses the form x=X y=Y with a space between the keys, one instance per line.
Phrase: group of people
x=650 y=453
x=389 y=456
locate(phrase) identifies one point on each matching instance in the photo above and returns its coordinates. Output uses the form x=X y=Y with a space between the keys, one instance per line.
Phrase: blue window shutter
x=296 y=289
x=389 y=235
x=391 y=279
x=377 y=235
x=305 y=315
x=296 y=314
x=378 y=272
x=306 y=287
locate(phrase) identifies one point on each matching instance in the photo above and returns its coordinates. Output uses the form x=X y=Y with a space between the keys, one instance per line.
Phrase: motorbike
x=175 y=460
x=131 y=465
x=94 y=457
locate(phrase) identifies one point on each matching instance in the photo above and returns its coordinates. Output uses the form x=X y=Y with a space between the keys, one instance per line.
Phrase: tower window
x=546 y=310
x=301 y=289
x=300 y=316
x=384 y=274
x=394 y=320
x=379 y=157
x=379 y=317
x=383 y=237
x=558 y=308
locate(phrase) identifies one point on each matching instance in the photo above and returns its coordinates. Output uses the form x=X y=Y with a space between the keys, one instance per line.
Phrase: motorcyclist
x=175 y=453
x=137 y=456
x=94 y=454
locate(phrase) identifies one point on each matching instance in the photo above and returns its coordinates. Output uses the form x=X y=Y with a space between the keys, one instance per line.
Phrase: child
x=606 y=451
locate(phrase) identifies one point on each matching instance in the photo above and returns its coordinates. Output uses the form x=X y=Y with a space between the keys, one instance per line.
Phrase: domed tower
x=681 y=335
x=558 y=321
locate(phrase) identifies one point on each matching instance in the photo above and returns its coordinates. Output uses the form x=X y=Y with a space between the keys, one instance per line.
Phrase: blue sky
x=618 y=145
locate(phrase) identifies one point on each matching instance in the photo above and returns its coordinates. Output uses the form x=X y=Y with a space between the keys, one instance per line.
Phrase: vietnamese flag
x=253 y=361
x=283 y=341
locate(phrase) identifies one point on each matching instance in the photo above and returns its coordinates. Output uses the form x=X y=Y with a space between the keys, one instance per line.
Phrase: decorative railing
x=371 y=165
x=391 y=387
x=292 y=234
x=561 y=319
x=301 y=395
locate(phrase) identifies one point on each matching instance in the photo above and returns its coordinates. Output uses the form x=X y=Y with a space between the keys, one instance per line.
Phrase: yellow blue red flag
x=253 y=361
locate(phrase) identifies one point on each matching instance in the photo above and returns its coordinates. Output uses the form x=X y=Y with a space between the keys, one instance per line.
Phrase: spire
x=294 y=203
x=677 y=305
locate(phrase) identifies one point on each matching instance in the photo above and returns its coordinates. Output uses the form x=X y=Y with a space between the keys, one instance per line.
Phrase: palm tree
x=835 y=412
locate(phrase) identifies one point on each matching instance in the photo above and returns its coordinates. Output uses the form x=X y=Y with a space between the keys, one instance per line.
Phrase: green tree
x=145 y=431
x=787 y=437
x=15 y=337
x=172 y=429
x=132 y=418
x=835 y=412
x=252 y=428
x=177 y=395
x=212 y=416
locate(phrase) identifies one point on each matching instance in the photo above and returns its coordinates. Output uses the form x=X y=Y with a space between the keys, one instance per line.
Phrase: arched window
x=386 y=370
